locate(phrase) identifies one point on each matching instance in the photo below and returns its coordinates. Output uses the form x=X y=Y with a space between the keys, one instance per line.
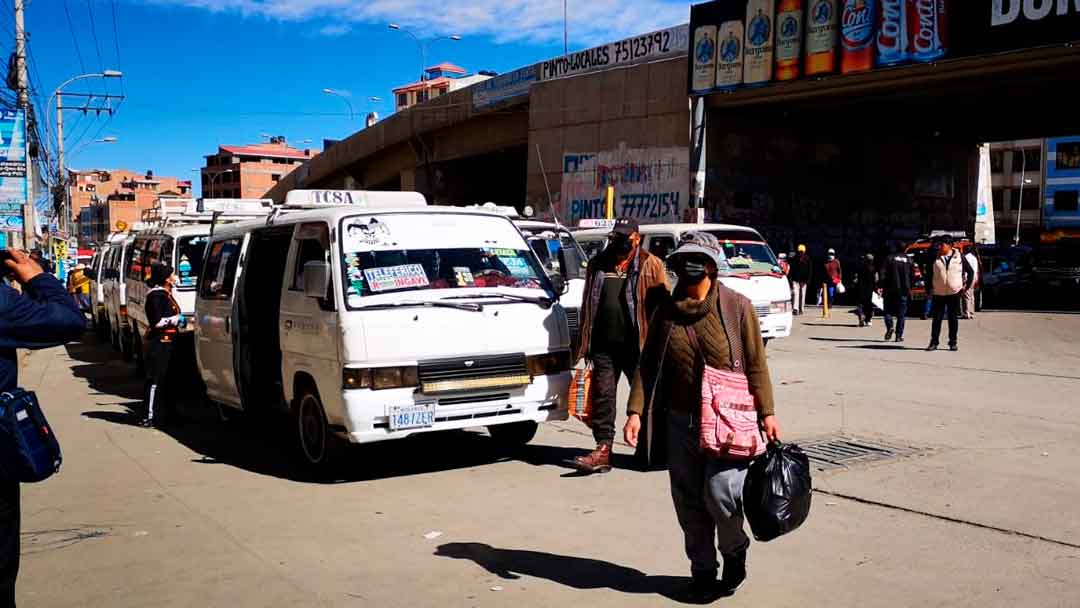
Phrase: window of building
x=999 y=200
x=997 y=161
x=1067 y=200
x=402 y=99
x=1068 y=156
x=1032 y=199
x=1027 y=160
x=274 y=177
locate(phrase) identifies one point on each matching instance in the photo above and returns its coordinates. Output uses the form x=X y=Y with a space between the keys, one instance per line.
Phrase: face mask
x=692 y=273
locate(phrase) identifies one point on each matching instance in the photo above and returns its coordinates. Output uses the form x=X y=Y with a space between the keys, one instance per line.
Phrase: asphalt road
x=980 y=511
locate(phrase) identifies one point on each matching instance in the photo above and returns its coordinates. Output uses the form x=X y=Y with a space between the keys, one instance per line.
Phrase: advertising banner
x=661 y=44
x=984 y=202
x=1062 y=188
x=503 y=87
x=651 y=184
x=13 y=182
x=851 y=36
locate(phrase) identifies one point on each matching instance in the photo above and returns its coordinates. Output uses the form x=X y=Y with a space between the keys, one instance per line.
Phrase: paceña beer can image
x=822 y=32
x=729 y=56
x=928 y=26
x=789 y=30
x=857 y=21
x=893 y=41
x=758 y=62
x=704 y=58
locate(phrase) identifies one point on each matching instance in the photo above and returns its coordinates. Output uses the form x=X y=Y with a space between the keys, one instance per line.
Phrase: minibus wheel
x=515 y=434
x=313 y=437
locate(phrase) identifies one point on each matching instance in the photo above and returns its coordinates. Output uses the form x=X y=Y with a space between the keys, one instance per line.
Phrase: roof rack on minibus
x=366 y=199
x=202 y=211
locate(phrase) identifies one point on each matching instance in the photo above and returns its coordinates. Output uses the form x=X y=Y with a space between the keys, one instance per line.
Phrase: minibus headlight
x=549 y=363
x=780 y=307
x=380 y=378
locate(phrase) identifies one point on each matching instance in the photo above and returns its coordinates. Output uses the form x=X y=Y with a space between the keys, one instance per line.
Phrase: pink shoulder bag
x=729 y=418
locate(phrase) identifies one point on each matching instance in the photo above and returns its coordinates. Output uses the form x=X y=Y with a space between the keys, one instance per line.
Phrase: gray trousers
x=707 y=493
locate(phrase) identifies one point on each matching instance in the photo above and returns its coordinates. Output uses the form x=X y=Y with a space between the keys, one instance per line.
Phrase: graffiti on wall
x=650 y=184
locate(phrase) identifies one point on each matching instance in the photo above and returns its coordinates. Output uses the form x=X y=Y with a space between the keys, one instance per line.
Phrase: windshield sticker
x=355 y=274
x=361 y=236
x=464 y=276
x=502 y=252
x=518 y=266
x=388 y=278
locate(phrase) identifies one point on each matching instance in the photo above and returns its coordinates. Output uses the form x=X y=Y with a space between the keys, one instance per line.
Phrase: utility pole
x=24 y=104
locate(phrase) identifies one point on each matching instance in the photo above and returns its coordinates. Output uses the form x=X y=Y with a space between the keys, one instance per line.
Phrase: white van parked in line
x=370 y=316
x=95 y=270
x=751 y=266
x=177 y=236
x=114 y=289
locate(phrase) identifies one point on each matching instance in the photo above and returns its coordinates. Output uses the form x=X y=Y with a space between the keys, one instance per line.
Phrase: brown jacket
x=646 y=275
x=728 y=333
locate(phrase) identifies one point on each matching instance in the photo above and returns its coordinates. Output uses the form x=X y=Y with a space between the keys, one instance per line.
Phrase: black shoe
x=931 y=347
x=734 y=572
x=888 y=335
x=146 y=423
x=954 y=347
x=899 y=338
x=703 y=588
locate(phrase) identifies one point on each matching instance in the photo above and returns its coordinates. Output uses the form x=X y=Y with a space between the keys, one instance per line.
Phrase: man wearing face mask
x=621 y=283
x=165 y=321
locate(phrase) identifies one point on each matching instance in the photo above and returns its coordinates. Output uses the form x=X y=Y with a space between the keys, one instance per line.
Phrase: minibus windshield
x=403 y=253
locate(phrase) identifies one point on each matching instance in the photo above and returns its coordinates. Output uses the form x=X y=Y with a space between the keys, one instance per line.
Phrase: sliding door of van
x=214 y=330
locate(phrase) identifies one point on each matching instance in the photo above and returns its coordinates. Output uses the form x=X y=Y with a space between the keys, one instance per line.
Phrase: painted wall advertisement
x=650 y=184
x=503 y=87
x=13 y=184
x=661 y=44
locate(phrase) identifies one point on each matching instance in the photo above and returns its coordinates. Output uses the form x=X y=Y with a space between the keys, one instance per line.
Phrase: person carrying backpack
x=43 y=316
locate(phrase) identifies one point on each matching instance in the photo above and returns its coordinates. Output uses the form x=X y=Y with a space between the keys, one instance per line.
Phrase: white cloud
x=540 y=21
x=335 y=29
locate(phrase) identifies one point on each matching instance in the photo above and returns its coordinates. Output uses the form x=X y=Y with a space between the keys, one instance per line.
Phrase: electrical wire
x=116 y=43
x=97 y=46
x=75 y=41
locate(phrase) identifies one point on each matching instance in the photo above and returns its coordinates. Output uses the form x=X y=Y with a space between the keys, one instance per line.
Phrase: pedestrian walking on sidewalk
x=896 y=287
x=621 y=283
x=952 y=275
x=801 y=269
x=834 y=275
x=702 y=324
x=163 y=319
x=968 y=303
x=44 y=315
x=866 y=283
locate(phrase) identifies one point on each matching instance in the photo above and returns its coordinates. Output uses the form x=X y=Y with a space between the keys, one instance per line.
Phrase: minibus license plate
x=412 y=417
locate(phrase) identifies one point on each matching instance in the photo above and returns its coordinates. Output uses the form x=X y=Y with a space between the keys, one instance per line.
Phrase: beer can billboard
x=789 y=34
x=822 y=34
x=893 y=40
x=758 y=62
x=729 y=61
x=704 y=78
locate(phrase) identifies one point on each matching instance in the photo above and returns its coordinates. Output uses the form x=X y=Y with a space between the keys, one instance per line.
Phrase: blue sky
x=198 y=73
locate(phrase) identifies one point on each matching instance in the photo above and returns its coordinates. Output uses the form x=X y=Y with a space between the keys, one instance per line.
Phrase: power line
x=116 y=43
x=97 y=47
x=75 y=41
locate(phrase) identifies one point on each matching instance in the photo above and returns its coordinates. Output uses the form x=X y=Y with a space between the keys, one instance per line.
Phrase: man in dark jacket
x=621 y=283
x=801 y=267
x=44 y=315
x=866 y=281
x=896 y=284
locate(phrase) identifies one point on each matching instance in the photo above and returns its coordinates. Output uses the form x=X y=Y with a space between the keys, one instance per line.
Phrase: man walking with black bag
x=44 y=315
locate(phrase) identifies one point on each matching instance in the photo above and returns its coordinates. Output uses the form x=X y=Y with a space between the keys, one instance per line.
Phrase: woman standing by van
x=163 y=320
x=702 y=324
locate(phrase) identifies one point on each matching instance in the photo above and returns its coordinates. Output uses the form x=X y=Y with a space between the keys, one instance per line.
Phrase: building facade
x=1017 y=168
x=249 y=171
x=102 y=198
x=438 y=80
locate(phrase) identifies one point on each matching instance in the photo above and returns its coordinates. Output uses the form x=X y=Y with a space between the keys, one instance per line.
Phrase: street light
x=58 y=93
x=423 y=44
x=108 y=139
x=343 y=97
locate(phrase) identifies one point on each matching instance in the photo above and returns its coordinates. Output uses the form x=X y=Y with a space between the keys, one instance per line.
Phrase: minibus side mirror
x=316 y=279
x=559 y=283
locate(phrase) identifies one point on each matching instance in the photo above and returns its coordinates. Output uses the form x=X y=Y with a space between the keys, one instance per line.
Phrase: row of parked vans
x=367 y=316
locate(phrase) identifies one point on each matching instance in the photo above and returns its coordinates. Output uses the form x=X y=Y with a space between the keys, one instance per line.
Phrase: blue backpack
x=29 y=451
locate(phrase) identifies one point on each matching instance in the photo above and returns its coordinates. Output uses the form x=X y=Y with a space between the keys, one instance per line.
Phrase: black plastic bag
x=776 y=494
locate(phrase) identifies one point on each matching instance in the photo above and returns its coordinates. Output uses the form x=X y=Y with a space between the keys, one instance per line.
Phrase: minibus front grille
x=473 y=373
x=443 y=401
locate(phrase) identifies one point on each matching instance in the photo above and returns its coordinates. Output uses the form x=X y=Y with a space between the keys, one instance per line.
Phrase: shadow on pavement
x=575 y=572
x=831 y=324
x=103 y=370
x=880 y=347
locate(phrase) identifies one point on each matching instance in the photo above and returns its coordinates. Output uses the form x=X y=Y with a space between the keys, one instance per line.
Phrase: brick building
x=249 y=171
x=102 y=197
x=437 y=81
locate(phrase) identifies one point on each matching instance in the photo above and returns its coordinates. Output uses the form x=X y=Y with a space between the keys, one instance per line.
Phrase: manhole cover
x=836 y=452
